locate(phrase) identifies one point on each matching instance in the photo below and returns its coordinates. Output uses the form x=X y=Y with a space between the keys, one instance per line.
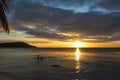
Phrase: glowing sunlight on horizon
x=78 y=44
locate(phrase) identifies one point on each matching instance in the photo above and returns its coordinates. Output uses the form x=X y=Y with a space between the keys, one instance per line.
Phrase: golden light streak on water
x=77 y=54
x=77 y=58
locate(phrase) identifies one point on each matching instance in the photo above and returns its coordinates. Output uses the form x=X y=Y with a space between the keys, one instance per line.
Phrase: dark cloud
x=56 y=23
x=94 y=24
x=110 y=4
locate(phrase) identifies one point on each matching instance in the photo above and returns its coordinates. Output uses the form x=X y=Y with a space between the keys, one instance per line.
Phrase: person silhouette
x=38 y=57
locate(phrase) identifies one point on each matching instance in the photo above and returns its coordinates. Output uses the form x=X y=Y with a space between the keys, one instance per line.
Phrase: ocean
x=59 y=64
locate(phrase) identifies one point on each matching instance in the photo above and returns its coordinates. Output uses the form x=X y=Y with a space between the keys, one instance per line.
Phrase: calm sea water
x=72 y=64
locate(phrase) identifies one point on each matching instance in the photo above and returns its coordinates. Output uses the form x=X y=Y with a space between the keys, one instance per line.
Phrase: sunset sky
x=61 y=23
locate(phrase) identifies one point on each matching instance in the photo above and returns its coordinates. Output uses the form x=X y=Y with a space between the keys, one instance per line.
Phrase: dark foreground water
x=60 y=64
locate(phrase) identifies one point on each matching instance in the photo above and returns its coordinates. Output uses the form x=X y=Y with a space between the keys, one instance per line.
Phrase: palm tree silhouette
x=3 y=19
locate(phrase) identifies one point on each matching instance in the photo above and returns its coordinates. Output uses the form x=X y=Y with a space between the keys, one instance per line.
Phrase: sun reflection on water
x=77 y=58
x=77 y=54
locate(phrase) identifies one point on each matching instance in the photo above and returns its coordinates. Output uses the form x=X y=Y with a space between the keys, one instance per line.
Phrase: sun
x=78 y=44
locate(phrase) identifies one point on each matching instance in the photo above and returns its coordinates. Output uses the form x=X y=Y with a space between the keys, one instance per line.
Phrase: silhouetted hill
x=16 y=45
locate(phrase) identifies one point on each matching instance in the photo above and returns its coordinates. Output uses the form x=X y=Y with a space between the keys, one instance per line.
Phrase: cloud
x=45 y=21
x=110 y=4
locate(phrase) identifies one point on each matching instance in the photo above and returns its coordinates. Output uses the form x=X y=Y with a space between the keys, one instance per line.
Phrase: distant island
x=16 y=45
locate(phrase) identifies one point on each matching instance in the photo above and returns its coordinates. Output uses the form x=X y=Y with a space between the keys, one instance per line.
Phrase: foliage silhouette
x=3 y=18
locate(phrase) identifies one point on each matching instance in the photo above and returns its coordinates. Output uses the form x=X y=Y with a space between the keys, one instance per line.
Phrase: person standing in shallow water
x=38 y=57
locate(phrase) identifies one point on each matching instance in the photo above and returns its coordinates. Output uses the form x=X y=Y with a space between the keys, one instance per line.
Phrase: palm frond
x=3 y=19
